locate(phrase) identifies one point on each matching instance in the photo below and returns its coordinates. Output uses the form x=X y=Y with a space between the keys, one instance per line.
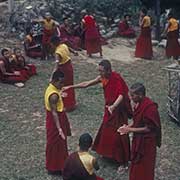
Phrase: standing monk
x=172 y=30
x=92 y=35
x=117 y=109
x=63 y=63
x=144 y=44
x=57 y=126
x=146 y=128
x=49 y=26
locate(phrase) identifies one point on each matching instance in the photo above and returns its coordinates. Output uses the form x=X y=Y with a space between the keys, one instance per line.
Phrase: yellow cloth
x=48 y=25
x=53 y=90
x=63 y=51
x=146 y=21
x=87 y=161
x=173 y=25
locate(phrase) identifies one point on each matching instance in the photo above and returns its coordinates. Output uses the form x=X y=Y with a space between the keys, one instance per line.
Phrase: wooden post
x=10 y=6
x=158 y=13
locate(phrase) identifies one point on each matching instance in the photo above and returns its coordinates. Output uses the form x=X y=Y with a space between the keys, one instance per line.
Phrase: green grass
x=22 y=120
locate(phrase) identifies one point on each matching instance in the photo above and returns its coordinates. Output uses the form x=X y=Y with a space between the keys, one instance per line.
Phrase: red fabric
x=144 y=144
x=125 y=31
x=108 y=142
x=31 y=69
x=47 y=35
x=56 y=147
x=69 y=101
x=12 y=78
x=75 y=170
x=92 y=35
x=72 y=41
x=173 y=46
x=144 y=44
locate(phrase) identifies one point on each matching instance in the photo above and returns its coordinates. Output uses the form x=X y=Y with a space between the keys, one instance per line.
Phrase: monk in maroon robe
x=67 y=35
x=146 y=128
x=124 y=29
x=57 y=126
x=117 y=109
x=79 y=165
x=7 y=74
x=20 y=64
x=92 y=35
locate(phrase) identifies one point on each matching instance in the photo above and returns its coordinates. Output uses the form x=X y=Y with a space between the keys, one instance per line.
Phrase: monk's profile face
x=6 y=54
x=136 y=98
x=103 y=72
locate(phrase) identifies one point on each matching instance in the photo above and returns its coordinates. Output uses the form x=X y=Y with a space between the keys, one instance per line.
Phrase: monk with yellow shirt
x=81 y=164
x=144 y=44
x=172 y=30
x=49 y=26
x=57 y=126
x=63 y=63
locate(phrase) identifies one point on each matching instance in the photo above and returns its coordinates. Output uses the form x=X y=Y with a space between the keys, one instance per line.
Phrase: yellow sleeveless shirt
x=87 y=161
x=49 y=25
x=63 y=51
x=174 y=25
x=53 y=90
x=147 y=21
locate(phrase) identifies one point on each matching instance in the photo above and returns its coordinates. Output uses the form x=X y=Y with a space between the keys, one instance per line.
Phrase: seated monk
x=20 y=64
x=67 y=35
x=7 y=74
x=32 y=49
x=124 y=29
x=79 y=165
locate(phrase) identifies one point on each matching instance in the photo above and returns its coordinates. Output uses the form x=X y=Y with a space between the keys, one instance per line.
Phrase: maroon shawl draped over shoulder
x=75 y=170
x=108 y=142
x=144 y=144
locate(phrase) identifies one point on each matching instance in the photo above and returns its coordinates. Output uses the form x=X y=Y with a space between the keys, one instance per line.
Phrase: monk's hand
x=123 y=129
x=111 y=108
x=64 y=94
x=17 y=73
x=61 y=134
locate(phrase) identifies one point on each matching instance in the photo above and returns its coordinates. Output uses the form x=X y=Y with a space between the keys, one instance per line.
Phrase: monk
x=19 y=63
x=67 y=35
x=146 y=129
x=117 y=109
x=172 y=30
x=92 y=35
x=31 y=47
x=63 y=63
x=7 y=74
x=48 y=32
x=124 y=28
x=79 y=165
x=57 y=126
x=144 y=44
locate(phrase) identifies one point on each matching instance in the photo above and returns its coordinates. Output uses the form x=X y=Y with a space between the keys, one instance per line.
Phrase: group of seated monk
x=124 y=28
x=13 y=68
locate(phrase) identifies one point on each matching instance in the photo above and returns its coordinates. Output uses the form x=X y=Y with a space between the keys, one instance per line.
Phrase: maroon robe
x=125 y=31
x=144 y=144
x=108 y=142
x=75 y=170
x=173 y=46
x=92 y=35
x=68 y=38
x=144 y=44
x=70 y=100
x=11 y=79
x=56 y=147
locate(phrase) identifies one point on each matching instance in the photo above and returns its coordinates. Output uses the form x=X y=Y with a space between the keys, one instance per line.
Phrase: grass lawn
x=22 y=120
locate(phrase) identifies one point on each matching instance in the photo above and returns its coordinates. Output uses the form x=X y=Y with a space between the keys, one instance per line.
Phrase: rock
x=163 y=43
